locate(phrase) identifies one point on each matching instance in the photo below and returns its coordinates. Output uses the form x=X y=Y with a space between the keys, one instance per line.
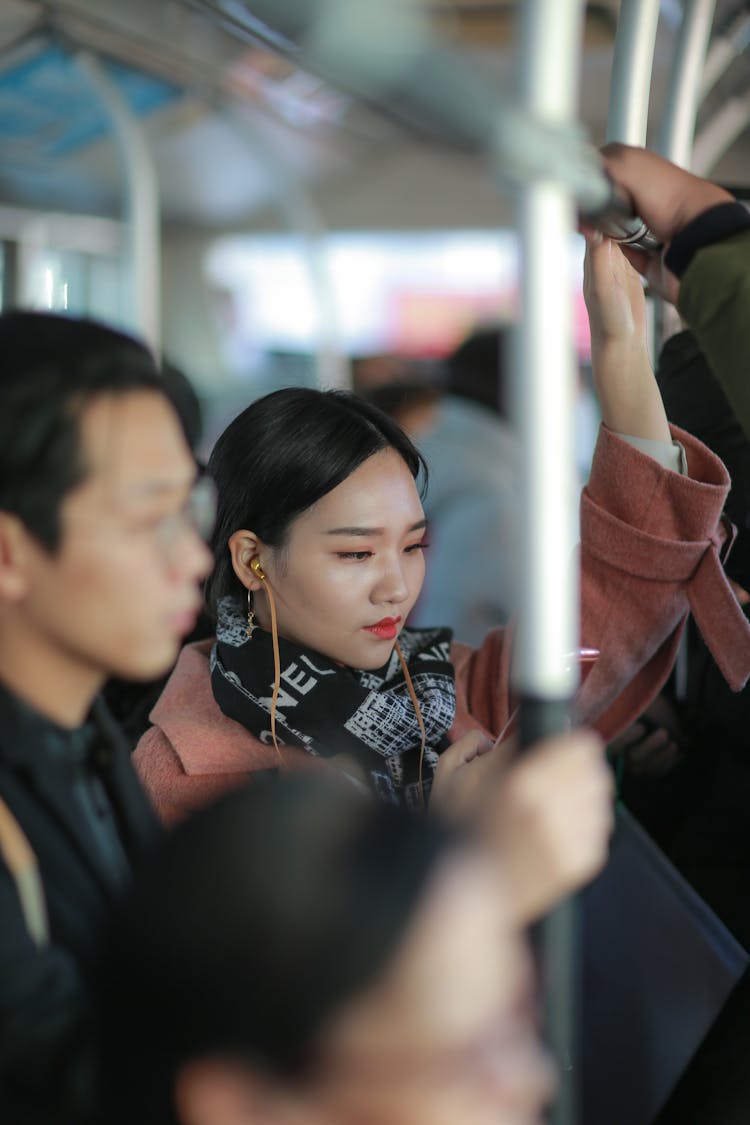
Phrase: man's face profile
x=117 y=595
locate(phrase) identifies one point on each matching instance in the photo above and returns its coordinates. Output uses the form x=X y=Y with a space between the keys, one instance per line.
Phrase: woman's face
x=447 y=1034
x=353 y=566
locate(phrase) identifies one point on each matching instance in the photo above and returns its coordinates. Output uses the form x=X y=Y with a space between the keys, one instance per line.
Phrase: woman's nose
x=391 y=586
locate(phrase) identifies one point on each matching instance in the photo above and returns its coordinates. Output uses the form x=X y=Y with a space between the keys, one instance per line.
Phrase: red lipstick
x=386 y=629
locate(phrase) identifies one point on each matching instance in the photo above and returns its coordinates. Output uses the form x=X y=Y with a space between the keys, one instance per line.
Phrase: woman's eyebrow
x=363 y=531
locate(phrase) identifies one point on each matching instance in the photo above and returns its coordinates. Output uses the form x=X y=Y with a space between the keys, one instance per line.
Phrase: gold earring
x=251 y=626
x=259 y=572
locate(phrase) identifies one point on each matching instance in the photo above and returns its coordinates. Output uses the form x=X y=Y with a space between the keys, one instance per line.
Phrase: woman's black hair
x=281 y=455
x=253 y=926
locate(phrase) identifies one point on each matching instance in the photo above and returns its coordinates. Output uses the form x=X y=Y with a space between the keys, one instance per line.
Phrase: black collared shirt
x=79 y=751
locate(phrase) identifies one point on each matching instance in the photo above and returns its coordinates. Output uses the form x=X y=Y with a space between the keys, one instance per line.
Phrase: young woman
x=319 y=559
x=296 y=955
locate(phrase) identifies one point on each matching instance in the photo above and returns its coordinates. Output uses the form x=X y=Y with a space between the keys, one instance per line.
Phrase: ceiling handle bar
x=141 y=201
x=725 y=47
x=684 y=92
x=633 y=60
x=719 y=133
x=303 y=218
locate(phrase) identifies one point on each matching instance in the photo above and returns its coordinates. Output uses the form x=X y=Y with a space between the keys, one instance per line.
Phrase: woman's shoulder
x=188 y=721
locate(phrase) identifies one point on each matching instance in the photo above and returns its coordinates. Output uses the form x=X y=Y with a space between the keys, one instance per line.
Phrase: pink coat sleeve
x=650 y=554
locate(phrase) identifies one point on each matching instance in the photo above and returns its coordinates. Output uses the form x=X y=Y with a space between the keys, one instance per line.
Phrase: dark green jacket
x=715 y=302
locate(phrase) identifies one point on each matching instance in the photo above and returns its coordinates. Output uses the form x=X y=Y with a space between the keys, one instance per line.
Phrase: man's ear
x=221 y=1092
x=14 y=557
x=244 y=546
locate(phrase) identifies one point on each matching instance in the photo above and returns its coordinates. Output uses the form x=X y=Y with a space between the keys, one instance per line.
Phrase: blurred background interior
x=177 y=167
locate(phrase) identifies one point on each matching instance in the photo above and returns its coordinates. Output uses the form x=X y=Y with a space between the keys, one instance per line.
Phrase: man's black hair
x=51 y=368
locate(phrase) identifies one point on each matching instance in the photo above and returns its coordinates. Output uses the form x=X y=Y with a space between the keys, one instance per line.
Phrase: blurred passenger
x=100 y=564
x=687 y=776
x=383 y=370
x=414 y=405
x=297 y=955
x=472 y=505
x=704 y=271
x=319 y=549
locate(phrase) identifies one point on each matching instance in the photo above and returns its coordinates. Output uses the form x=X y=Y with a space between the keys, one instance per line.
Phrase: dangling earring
x=259 y=572
x=251 y=626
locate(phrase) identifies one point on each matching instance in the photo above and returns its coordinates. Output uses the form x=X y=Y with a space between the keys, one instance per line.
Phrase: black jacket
x=45 y=1038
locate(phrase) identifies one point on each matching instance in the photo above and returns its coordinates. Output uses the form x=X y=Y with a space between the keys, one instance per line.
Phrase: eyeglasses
x=197 y=515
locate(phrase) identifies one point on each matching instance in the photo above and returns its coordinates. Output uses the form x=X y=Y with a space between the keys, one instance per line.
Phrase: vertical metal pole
x=630 y=89
x=632 y=64
x=683 y=96
x=142 y=202
x=550 y=44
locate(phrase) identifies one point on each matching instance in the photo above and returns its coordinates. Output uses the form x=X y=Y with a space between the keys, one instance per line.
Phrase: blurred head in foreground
x=298 y=955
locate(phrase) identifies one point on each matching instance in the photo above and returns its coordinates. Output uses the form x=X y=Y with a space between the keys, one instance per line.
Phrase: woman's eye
x=421 y=546
x=358 y=555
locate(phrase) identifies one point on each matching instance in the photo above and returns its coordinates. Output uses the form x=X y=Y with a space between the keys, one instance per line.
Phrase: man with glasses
x=101 y=558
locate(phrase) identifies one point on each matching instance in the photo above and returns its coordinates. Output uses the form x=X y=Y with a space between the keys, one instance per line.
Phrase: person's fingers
x=573 y=760
x=460 y=774
x=664 y=760
x=655 y=754
x=505 y=750
x=640 y=751
x=556 y=819
x=477 y=745
x=592 y=235
x=634 y=733
x=640 y=260
x=465 y=749
x=613 y=149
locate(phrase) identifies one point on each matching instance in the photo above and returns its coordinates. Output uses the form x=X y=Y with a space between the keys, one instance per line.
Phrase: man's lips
x=184 y=620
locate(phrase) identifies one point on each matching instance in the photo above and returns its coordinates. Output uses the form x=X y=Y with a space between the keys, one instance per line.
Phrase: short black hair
x=281 y=455
x=477 y=368
x=251 y=928
x=186 y=401
x=395 y=399
x=51 y=368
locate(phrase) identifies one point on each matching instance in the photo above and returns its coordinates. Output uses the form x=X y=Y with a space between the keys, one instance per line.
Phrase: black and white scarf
x=329 y=709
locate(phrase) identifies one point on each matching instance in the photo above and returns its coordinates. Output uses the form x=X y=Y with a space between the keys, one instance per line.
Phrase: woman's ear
x=244 y=546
